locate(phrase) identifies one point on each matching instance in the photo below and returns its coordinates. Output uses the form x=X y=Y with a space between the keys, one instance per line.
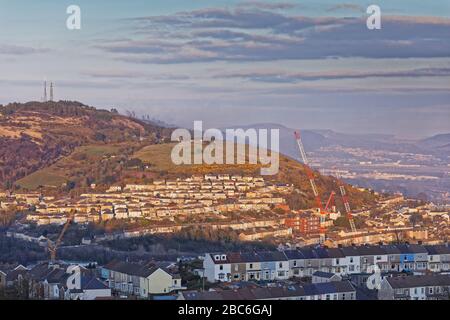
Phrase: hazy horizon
x=302 y=64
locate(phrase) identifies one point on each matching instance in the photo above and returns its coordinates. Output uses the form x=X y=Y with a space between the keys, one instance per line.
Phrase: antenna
x=51 y=91
x=44 y=99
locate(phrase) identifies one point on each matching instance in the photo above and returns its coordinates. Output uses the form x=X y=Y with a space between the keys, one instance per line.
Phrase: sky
x=309 y=64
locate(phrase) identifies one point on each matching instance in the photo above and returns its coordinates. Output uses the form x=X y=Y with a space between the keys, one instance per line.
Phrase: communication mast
x=51 y=91
x=44 y=98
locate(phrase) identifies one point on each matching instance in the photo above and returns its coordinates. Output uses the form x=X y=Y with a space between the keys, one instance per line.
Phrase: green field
x=65 y=168
x=44 y=177
x=158 y=157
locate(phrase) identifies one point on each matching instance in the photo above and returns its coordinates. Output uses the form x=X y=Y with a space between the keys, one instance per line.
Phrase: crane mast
x=53 y=247
x=312 y=182
x=344 y=197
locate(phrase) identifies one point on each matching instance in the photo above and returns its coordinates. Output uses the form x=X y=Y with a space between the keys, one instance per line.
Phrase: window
x=295 y=263
x=337 y=261
x=175 y=282
x=251 y=265
x=280 y=265
x=351 y=260
x=221 y=267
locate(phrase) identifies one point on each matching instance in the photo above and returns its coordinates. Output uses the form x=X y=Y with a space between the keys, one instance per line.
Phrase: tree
x=415 y=218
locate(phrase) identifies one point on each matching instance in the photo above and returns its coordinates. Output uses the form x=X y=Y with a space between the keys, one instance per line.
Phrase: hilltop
x=35 y=135
x=71 y=146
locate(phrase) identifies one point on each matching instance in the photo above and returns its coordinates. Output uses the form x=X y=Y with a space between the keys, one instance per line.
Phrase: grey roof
x=255 y=293
x=135 y=269
x=329 y=288
x=92 y=283
x=411 y=248
x=438 y=249
x=419 y=281
x=294 y=254
x=322 y=274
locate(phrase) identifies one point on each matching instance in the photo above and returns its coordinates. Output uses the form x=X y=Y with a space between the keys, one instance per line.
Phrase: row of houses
x=420 y=287
x=141 y=280
x=55 y=282
x=58 y=281
x=342 y=290
x=303 y=262
x=163 y=200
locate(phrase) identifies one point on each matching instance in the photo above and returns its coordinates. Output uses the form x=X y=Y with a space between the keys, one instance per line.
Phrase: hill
x=157 y=159
x=440 y=141
x=35 y=135
x=69 y=146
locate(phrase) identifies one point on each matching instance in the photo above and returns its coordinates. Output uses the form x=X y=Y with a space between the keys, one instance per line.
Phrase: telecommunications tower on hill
x=44 y=98
x=51 y=91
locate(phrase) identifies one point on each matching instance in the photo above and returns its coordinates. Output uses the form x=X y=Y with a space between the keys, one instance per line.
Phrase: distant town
x=404 y=238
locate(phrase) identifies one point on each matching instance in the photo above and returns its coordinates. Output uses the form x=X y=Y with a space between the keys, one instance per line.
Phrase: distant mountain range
x=316 y=139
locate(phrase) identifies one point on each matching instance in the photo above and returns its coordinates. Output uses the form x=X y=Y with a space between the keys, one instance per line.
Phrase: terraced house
x=304 y=262
x=247 y=266
x=422 y=287
x=141 y=280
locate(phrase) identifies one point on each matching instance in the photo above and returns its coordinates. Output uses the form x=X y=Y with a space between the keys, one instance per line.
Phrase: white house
x=217 y=267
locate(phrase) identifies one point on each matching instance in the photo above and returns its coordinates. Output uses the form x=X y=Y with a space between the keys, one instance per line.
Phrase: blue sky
x=304 y=64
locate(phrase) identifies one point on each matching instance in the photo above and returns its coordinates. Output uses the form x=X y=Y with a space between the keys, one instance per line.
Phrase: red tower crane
x=323 y=211
x=52 y=247
x=344 y=197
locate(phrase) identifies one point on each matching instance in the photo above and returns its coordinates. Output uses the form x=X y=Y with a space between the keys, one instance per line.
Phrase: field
x=81 y=161
x=158 y=158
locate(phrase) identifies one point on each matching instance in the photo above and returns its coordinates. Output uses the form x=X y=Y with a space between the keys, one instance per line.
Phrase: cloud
x=315 y=76
x=112 y=74
x=268 y=5
x=20 y=50
x=346 y=7
x=257 y=34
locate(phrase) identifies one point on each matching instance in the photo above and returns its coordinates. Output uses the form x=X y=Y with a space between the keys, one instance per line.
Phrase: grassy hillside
x=34 y=135
x=85 y=165
x=135 y=162
x=70 y=146
x=157 y=157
